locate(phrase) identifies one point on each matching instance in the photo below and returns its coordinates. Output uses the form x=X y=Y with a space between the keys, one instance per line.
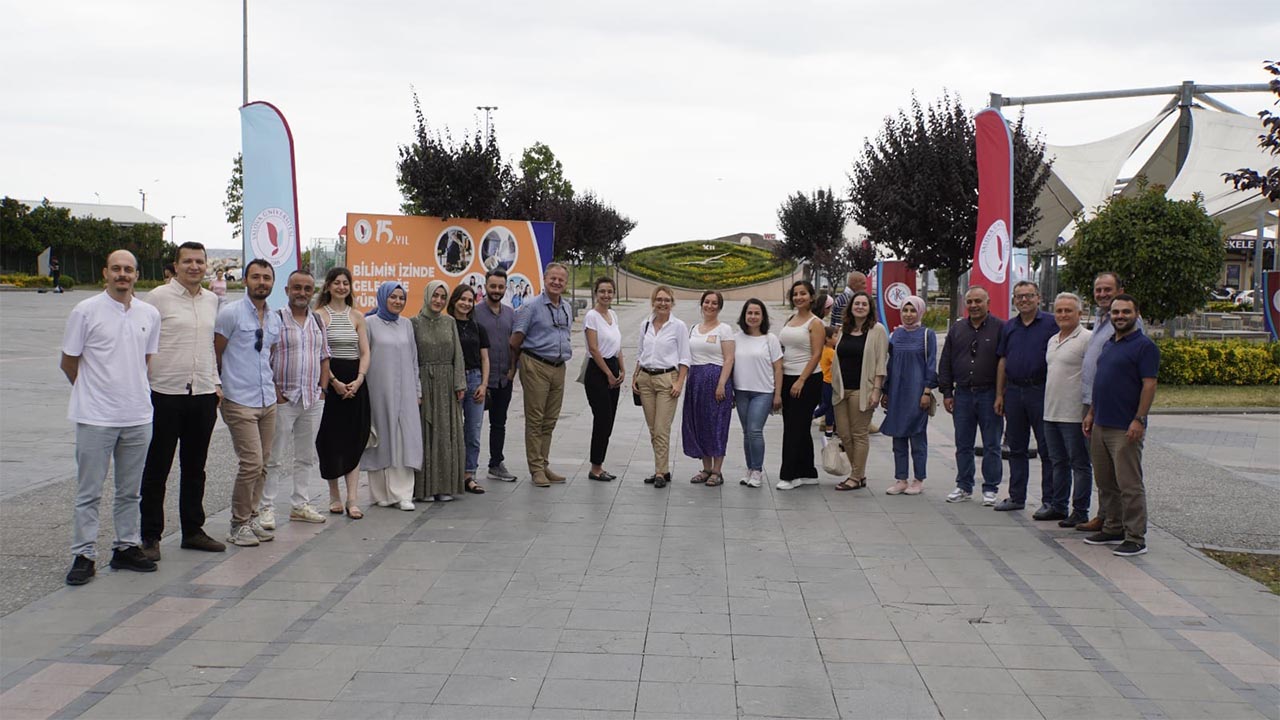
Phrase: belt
x=657 y=371
x=1029 y=382
x=544 y=361
x=975 y=388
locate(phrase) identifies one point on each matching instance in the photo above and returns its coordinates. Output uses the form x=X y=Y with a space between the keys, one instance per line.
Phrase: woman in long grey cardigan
x=393 y=370
x=443 y=380
x=857 y=381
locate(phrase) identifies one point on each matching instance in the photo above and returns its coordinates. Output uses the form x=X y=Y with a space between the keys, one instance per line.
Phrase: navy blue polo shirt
x=1023 y=347
x=1117 y=386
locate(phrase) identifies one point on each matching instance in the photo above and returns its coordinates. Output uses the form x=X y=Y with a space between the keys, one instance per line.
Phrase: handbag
x=582 y=371
x=834 y=459
x=933 y=399
x=635 y=396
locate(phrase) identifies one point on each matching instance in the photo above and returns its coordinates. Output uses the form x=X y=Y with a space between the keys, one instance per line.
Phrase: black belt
x=1029 y=382
x=657 y=371
x=544 y=361
x=975 y=388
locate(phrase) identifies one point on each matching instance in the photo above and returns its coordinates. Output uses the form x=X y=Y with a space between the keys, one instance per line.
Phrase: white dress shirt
x=665 y=347
x=185 y=364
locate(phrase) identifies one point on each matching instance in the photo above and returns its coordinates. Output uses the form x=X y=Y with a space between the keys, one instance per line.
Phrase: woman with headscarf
x=908 y=395
x=393 y=361
x=442 y=376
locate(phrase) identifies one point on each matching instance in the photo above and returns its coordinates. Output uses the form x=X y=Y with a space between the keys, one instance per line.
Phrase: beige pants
x=1117 y=471
x=543 y=395
x=659 y=412
x=390 y=485
x=854 y=427
x=252 y=430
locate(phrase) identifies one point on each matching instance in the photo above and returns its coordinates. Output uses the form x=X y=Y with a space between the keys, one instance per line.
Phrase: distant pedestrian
x=1068 y=450
x=106 y=346
x=497 y=319
x=757 y=383
x=709 y=403
x=345 y=424
x=908 y=396
x=395 y=395
x=1123 y=390
x=967 y=378
x=541 y=346
x=662 y=366
x=855 y=282
x=857 y=383
x=55 y=273
x=218 y=285
x=802 y=338
x=604 y=374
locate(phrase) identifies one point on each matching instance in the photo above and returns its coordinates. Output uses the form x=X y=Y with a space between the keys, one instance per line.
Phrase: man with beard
x=1123 y=388
x=497 y=320
x=244 y=341
x=108 y=342
x=300 y=365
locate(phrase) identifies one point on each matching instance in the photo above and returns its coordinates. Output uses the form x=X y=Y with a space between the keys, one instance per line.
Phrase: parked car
x=1222 y=294
x=1244 y=298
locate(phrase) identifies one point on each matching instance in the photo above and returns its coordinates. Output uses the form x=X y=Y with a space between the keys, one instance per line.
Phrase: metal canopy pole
x=998 y=100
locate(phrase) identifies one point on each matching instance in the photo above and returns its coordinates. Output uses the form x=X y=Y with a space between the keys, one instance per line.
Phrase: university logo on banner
x=273 y=236
x=891 y=283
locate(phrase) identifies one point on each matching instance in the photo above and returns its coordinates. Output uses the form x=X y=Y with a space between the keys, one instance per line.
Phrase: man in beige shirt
x=185 y=391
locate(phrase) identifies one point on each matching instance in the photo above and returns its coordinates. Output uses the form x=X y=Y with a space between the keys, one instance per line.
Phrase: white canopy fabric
x=1220 y=143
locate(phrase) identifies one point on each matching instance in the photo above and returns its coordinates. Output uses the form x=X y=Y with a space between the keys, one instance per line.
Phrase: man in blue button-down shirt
x=1020 y=377
x=244 y=339
x=540 y=348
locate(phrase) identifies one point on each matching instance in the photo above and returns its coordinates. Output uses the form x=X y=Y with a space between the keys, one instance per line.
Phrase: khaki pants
x=659 y=412
x=543 y=395
x=854 y=427
x=252 y=430
x=1117 y=471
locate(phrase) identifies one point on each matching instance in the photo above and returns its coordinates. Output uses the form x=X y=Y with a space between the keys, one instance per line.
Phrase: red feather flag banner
x=993 y=250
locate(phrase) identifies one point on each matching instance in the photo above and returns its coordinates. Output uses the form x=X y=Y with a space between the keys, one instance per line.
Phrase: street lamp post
x=173 y=228
x=488 y=110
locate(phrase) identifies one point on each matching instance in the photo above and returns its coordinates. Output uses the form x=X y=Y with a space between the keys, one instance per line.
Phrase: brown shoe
x=541 y=480
x=151 y=549
x=203 y=542
x=1094 y=525
x=553 y=476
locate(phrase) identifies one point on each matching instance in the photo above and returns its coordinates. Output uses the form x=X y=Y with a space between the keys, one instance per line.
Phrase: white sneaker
x=406 y=505
x=959 y=495
x=267 y=518
x=263 y=534
x=242 y=536
x=444 y=498
x=384 y=503
x=988 y=499
x=787 y=485
x=753 y=480
x=303 y=513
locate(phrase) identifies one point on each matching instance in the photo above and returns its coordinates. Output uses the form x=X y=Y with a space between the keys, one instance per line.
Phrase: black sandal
x=474 y=488
x=848 y=484
x=702 y=477
x=715 y=479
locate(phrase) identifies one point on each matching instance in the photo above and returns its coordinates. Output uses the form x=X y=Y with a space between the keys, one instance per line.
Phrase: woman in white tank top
x=802 y=339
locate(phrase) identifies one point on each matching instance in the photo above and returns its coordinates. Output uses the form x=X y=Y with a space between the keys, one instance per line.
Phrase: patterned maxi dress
x=442 y=371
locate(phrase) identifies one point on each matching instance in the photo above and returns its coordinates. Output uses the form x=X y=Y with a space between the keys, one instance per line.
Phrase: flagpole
x=245 y=46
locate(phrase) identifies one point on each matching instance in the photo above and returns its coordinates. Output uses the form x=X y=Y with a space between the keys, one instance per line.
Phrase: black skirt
x=344 y=426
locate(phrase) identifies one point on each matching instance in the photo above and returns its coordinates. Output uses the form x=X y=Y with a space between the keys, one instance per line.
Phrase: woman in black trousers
x=604 y=373
x=802 y=338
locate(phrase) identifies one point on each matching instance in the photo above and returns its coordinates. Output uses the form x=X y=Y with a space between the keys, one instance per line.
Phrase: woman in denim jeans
x=475 y=355
x=757 y=382
x=908 y=392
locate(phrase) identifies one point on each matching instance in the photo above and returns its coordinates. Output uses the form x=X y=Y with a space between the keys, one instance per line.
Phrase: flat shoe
x=602 y=477
x=897 y=488
x=335 y=507
x=847 y=484
x=354 y=513
x=474 y=488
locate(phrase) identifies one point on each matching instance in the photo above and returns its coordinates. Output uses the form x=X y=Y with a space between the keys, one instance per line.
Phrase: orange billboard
x=414 y=250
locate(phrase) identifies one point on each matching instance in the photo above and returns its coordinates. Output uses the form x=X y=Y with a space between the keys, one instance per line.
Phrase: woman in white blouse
x=709 y=402
x=603 y=379
x=803 y=338
x=661 y=367
x=757 y=383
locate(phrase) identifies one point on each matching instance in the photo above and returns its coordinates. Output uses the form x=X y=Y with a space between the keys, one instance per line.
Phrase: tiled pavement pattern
x=615 y=600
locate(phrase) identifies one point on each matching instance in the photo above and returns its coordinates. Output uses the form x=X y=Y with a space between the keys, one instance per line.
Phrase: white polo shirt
x=1062 y=383
x=113 y=343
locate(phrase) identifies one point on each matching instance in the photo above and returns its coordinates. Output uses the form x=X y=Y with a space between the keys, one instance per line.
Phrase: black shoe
x=132 y=558
x=151 y=548
x=1102 y=538
x=1129 y=548
x=608 y=476
x=81 y=571
x=1074 y=519
x=1007 y=505
x=1048 y=513
x=602 y=477
x=202 y=541
x=651 y=479
x=661 y=481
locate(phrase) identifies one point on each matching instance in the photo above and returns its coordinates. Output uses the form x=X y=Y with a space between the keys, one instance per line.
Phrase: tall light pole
x=245 y=59
x=173 y=228
x=144 y=199
x=99 y=198
x=488 y=110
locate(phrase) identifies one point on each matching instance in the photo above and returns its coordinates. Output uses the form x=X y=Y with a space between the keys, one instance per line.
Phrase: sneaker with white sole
x=959 y=495
x=500 y=472
x=753 y=479
x=787 y=485
x=241 y=535
x=1129 y=548
x=267 y=518
x=988 y=499
x=304 y=513
x=406 y=505
x=263 y=534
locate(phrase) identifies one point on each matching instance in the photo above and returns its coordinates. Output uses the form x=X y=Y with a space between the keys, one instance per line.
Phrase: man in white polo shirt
x=105 y=349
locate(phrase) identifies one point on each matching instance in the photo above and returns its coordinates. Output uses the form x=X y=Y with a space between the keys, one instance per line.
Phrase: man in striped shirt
x=300 y=368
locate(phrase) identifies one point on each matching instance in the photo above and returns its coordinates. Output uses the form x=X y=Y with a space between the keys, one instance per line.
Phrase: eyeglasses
x=257 y=342
x=1024 y=296
x=555 y=319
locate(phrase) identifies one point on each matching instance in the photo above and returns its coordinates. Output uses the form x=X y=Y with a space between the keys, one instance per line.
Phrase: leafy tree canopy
x=1268 y=182
x=812 y=227
x=233 y=204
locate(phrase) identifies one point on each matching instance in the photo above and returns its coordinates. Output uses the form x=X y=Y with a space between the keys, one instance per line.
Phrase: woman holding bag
x=603 y=373
x=661 y=368
x=908 y=396
x=857 y=382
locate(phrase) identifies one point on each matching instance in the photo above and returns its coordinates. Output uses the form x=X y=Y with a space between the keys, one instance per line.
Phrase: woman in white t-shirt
x=709 y=401
x=803 y=338
x=757 y=383
x=603 y=379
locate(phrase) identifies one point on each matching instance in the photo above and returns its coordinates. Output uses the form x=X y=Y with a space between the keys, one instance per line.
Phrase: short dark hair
x=169 y=267
x=1024 y=283
x=495 y=272
x=764 y=316
x=189 y=245
x=1114 y=276
x=302 y=271
x=603 y=280
x=333 y=274
x=791 y=291
x=819 y=305
x=719 y=298
x=832 y=330
x=847 y=322
x=455 y=295
x=1137 y=308
x=260 y=262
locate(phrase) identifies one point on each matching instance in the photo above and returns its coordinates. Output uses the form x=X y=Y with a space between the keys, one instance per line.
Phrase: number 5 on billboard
x=384 y=228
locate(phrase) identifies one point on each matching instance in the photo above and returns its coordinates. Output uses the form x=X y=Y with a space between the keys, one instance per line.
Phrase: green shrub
x=741 y=265
x=1218 y=362
x=936 y=318
x=1221 y=306
x=23 y=280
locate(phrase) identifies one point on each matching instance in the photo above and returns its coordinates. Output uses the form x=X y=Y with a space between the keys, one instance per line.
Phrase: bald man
x=855 y=283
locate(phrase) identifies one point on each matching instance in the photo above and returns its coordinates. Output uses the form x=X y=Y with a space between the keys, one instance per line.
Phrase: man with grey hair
x=856 y=282
x=540 y=347
x=1068 y=453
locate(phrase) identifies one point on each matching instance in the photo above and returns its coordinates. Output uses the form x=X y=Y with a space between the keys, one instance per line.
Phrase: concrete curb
x=1216 y=411
x=1246 y=551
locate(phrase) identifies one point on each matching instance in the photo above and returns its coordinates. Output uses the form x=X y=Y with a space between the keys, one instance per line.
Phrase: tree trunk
x=953 y=288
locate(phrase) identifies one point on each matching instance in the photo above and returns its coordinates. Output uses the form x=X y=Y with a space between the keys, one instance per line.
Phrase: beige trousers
x=854 y=427
x=543 y=395
x=252 y=430
x=659 y=412
x=1117 y=471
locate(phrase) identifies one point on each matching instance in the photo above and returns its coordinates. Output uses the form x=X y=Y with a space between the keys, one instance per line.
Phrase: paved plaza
x=616 y=600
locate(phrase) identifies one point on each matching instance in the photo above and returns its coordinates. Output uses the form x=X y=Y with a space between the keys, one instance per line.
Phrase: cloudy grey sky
x=695 y=118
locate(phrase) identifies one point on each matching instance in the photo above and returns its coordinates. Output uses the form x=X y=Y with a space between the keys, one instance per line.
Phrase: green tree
x=441 y=177
x=860 y=256
x=813 y=229
x=1267 y=183
x=233 y=204
x=1169 y=252
x=915 y=187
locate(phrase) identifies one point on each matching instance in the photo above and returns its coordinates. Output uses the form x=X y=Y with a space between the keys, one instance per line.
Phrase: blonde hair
x=653 y=296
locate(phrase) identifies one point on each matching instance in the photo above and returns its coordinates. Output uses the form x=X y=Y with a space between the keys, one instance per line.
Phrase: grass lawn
x=1263 y=568
x=1168 y=396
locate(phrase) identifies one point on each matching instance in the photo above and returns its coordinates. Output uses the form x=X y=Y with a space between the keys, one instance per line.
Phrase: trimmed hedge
x=741 y=265
x=1218 y=362
x=24 y=280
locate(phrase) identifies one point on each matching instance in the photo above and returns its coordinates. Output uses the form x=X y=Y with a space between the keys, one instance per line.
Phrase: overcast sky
x=694 y=118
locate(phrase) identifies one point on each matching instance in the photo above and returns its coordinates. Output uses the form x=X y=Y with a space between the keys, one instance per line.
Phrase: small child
x=826 y=410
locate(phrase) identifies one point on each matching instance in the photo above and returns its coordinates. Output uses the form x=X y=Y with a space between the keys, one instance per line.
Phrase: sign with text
x=891 y=284
x=414 y=250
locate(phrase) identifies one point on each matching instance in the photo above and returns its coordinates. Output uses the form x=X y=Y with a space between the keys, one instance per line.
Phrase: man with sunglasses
x=967 y=378
x=540 y=348
x=244 y=340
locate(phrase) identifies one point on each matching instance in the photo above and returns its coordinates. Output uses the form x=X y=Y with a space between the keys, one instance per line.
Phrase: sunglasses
x=257 y=342
x=555 y=319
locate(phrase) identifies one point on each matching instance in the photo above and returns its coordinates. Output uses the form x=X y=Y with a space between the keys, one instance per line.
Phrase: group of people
x=148 y=378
